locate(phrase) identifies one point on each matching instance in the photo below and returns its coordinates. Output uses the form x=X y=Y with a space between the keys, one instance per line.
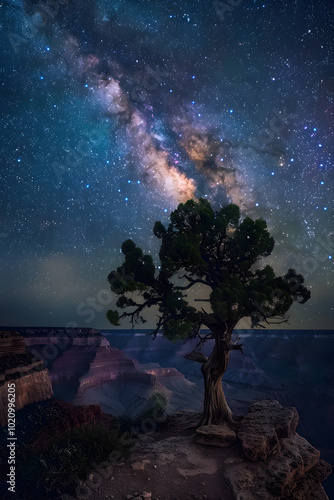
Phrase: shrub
x=68 y=459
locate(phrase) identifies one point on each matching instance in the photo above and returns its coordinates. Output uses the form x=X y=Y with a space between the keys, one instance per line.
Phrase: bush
x=68 y=459
x=149 y=420
x=153 y=415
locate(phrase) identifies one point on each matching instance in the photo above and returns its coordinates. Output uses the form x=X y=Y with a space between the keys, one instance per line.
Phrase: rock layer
x=31 y=379
x=11 y=342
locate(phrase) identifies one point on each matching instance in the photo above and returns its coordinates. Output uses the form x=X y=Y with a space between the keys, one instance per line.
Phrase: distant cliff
x=31 y=378
x=84 y=369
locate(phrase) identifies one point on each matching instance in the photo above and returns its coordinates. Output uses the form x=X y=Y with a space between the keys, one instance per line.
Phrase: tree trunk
x=216 y=409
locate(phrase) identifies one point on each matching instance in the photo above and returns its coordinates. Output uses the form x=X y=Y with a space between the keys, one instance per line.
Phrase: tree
x=221 y=253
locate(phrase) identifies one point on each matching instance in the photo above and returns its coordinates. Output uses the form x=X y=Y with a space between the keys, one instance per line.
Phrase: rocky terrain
x=294 y=368
x=262 y=458
x=85 y=369
x=31 y=378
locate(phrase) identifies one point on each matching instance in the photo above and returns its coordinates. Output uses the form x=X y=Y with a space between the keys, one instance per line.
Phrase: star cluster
x=115 y=111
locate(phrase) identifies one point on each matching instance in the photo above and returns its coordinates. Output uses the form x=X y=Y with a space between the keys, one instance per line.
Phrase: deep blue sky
x=113 y=112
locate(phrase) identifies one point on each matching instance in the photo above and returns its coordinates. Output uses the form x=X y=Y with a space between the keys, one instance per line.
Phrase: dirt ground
x=169 y=465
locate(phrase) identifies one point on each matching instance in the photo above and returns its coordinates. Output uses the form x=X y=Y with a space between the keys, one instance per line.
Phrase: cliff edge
x=261 y=458
x=31 y=378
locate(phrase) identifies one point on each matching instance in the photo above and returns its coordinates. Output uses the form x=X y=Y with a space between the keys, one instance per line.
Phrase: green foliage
x=228 y=299
x=219 y=250
x=68 y=460
x=113 y=317
x=155 y=411
x=176 y=330
x=128 y=246
x=228 y=216
x=254 y=239
x=159 y=229
x=151 y=418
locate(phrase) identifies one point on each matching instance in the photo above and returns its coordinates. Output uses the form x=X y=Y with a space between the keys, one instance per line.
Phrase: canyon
x=116 y=373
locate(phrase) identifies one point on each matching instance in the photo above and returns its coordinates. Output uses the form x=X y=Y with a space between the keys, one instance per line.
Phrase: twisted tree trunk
x=216 y=409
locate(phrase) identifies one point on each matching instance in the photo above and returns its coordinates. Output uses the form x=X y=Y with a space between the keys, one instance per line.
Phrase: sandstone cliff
x=31 y=378
x=85 y=369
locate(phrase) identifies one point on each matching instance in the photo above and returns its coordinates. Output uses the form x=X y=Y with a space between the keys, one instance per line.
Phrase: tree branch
x=236 y=347
x=196 y=356
x=156 y=330
x=191 y=283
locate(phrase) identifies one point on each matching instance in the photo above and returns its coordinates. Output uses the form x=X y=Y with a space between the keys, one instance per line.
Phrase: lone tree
x=218 y=252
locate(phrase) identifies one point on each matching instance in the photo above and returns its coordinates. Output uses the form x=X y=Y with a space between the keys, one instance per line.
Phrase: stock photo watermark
x=46 y=12
x=223 y=8
x=11 y=445
x=323 y=251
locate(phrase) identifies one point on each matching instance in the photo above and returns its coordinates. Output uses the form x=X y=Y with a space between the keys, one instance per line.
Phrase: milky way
x=113 y=112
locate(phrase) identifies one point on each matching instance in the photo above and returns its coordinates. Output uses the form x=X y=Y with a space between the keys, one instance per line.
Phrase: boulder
x=144 y=495
x=275 y=462
x=216 y=435
x=311 y=487
x=295 y=473
x=287 y=469
x=265 y=425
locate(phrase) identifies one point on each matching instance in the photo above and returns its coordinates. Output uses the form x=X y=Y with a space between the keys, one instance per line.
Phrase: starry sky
x=115 y=111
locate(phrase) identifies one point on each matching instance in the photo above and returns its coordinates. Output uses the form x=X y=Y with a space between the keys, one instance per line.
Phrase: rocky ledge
x=31 y=379
x=274 y=461
x=184 y=461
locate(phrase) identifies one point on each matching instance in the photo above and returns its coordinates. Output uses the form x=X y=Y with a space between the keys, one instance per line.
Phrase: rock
x=183 y=418
x=31 y=378
x=109 y=364
x=261 y=430
x=146 y=439
x=216 y=435
x=287 y=469
x=11 y=343
x=311 y=487
x=283 y=465
x=137 y=466
x=146 y=495
x=69 y=417
x=321 y=471
x=281 y=477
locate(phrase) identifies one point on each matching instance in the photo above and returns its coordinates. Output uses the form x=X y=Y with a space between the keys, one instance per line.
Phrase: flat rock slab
x=216 y=435
x=265 y=425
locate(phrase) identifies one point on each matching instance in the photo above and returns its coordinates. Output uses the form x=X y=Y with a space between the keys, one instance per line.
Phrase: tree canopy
x=221 y=251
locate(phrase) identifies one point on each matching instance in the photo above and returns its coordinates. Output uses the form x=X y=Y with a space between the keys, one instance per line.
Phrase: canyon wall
x=31 y=378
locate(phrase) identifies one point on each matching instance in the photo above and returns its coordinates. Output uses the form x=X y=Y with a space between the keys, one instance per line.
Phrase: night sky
x=113 y=112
